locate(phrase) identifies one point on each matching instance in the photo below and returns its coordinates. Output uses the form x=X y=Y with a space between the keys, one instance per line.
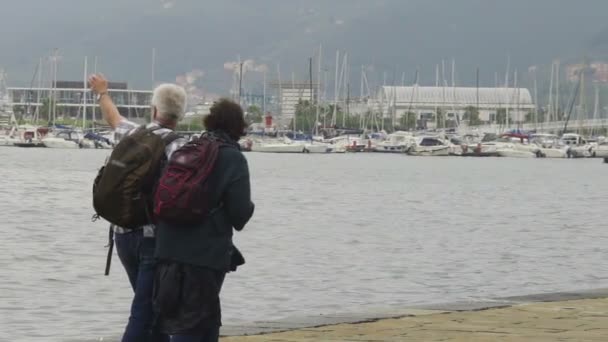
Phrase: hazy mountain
x=388 y=36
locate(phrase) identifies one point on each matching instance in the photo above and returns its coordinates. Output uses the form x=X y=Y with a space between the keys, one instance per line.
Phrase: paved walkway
x=575 y=320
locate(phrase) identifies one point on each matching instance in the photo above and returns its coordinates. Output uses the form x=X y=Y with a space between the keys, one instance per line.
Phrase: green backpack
x=124 y=185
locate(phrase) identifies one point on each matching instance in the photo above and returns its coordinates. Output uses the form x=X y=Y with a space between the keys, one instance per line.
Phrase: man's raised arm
x=99 y=85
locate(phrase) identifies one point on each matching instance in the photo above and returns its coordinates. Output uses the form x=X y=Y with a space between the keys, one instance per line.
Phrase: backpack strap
x=170 y=137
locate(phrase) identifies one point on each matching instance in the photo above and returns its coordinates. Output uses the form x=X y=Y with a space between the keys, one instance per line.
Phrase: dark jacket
x=209 y=244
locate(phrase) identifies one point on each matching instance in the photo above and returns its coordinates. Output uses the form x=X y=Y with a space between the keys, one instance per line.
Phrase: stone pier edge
x=304 y=322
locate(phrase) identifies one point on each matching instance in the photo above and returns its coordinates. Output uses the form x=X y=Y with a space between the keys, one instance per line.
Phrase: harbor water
x=331 y=233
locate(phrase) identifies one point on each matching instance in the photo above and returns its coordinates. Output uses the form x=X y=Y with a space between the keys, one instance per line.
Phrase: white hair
x=170 y=101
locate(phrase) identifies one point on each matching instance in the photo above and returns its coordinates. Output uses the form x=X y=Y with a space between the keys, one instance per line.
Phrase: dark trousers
x=136 y=254
x=213 y=335
x=188 y=300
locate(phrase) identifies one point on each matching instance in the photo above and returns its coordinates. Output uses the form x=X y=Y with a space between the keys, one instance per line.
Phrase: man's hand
x=98 y=83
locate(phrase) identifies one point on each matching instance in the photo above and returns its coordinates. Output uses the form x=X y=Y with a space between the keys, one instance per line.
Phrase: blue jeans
x=136 y=254
x=212 y=335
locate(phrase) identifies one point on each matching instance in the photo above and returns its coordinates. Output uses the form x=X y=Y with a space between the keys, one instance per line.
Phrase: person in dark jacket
x=194 y=260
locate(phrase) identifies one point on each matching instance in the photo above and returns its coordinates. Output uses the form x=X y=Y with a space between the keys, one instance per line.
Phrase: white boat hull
x=430 y=151
x=278 y=148
x=601 y=154
x=59 y=143
x=8 y=142
x=553 y=153
x=579 y=152
x=317 y=148
x=390 y=148
x=512 y=153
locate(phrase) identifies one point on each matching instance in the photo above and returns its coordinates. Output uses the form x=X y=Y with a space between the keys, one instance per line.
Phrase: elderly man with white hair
x=136 y=246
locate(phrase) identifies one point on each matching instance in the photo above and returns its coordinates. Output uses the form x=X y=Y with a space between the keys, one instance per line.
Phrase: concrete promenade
x=568 y=316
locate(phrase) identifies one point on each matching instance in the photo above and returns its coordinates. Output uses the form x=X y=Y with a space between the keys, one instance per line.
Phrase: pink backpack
x=183 y=192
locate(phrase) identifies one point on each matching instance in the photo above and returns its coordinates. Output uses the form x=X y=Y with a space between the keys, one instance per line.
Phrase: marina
x=345 y=170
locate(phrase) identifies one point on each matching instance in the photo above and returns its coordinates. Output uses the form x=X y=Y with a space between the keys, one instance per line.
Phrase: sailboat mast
x=94 y=107
x=84 y=95
x=335 y=112
x=54 y=102
x=39 y=105
x=318 y=91
x=347 y=88
x=507 y=90
x=550 y=109
x=280 y=92
x=596 y=108
x=293 y=87
x=535 y=101
x=516 y=93
x=264 y=95
x=437 y=86
x=582 y=100
x=312 y=98
x=556 y=107
x=362 y=116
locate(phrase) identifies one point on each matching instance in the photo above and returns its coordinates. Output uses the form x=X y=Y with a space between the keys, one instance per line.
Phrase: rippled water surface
x=332 y=233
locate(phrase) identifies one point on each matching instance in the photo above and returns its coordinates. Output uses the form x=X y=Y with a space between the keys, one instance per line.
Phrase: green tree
x=305 y=116
x=472 y=115
x=254 y=114
x=501 y=116
x=408 y=121
x=45 y=108
x=440 y=118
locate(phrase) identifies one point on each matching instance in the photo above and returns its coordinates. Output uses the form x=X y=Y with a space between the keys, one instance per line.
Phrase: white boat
x=285 y=145
x=347 y=143
x=578 y=147
x=66 y=139
x=30 y=136
x=317 y=147
x=511 y=151
x=601 y=151
x=54 y=142
x=429 y=146
x=95 y=140
x=8 y=141
x=277 y=148
x=510 y=145
x=553 y=152
x=549 y=146
x=397 y=142
x=10 y=137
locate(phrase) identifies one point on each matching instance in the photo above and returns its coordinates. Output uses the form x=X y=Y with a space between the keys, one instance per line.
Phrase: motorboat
x=96 y=140
x=601 y=151
x=511 y=151
x=397 y=142
x=284 y=145
x=62 y=139
x=578 y=147
x=429 y=146
x=31 y=136
x=348 y=143
x=549 y=146
x=9 y=137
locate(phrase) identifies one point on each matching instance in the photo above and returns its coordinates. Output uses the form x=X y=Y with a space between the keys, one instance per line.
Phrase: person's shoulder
x=176 y=143
x=232 y=151
x=125 y=127
x=231 y=155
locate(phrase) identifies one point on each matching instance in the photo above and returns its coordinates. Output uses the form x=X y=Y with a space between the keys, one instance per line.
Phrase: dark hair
x=226 y=115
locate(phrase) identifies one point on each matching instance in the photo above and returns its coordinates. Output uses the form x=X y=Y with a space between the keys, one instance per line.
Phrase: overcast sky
x=197 y=38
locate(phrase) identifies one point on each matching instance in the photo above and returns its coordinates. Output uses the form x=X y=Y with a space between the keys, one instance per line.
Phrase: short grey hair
x=170 y=101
